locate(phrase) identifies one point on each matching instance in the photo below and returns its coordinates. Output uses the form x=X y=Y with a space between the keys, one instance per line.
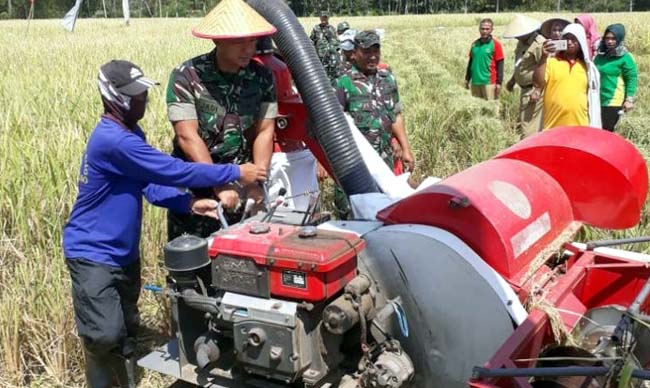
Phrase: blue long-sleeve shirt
x=117 y=169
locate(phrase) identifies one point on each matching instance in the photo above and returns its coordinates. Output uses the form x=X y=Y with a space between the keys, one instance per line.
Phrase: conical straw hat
x=232 y=19
x=521 y=25
x=545 y=29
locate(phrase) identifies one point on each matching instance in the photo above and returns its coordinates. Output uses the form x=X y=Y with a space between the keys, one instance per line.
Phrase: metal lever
x=222 y=217
x=565 y=371
x=250 y=202
x=279 y=201
x=591 y=245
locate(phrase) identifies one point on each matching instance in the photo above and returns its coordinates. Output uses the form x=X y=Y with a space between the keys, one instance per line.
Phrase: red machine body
x=592 y=280
x=493 y=208
x=514 y=209
x=299 y=266
x=511 y=208
x=545 y=186
x=291 y=125
x=604 y=176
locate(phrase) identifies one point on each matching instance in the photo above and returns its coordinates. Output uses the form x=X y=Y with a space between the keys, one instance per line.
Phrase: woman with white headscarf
x=570 y=81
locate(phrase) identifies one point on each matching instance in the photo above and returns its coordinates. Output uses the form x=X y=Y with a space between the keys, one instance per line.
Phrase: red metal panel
x=604 y=176
x=281 y=76
x=593 y=281
x=295 y=114
x=320 y=285
x=506 y=210
x=293 y=133
x=327 y=260
x=616 y=284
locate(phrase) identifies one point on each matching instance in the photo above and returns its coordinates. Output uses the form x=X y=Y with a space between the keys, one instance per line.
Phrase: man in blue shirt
x=101 y=239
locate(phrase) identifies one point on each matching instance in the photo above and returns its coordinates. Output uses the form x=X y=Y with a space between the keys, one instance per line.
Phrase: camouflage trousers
x=332 y=71
x=331 y=65
x=341 y=204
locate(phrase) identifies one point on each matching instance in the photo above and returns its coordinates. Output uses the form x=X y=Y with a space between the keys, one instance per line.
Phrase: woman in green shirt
x=618 y=76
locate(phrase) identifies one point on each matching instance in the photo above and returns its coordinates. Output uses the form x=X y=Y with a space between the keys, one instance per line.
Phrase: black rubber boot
x=99 y=372
x=125 y=369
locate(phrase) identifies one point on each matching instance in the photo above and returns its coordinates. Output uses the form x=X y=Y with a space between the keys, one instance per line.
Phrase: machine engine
x=282 y=302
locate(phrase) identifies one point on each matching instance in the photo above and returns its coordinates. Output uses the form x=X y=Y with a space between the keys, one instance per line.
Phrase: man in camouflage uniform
x=223 y=107
x=326 y=42
x=342 y=27
x=369 y=94
x=347 y=50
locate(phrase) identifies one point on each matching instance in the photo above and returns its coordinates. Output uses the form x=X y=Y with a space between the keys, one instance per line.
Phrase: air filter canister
x=186 y=253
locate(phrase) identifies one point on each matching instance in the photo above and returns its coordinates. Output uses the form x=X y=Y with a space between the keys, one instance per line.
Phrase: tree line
x=10 y=9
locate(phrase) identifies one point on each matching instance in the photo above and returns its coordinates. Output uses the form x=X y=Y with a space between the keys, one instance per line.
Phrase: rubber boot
x=99 y=372
x=125 y=369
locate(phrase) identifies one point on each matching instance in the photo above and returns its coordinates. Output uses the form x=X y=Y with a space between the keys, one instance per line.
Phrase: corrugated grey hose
x=325 y=112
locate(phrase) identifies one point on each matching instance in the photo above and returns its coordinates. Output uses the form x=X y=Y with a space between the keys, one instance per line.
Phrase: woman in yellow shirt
x=570 y=82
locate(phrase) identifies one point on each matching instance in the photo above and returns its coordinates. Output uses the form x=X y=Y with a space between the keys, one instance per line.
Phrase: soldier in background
x=326 y=42
x=347 y=52
x=370 y=95
x=527 y=54
x=342 y=27
x=347 y=49
x=223 y=107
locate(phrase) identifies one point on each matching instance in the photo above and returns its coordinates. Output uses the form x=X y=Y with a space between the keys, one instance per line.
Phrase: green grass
x=49 y=104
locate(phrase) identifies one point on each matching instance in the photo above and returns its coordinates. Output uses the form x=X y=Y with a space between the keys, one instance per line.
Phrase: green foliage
x=190 y=8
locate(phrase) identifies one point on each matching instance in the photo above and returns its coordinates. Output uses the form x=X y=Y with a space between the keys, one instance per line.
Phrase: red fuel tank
x=284 y=261
x=506 y=210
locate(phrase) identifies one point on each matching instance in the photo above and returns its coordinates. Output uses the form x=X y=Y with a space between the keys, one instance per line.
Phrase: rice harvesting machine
x=470 y=282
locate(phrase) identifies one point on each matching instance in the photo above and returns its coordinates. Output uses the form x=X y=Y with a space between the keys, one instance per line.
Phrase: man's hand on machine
x=205 y=207
x=256 y=193
x=228 y=196
x=251 y=173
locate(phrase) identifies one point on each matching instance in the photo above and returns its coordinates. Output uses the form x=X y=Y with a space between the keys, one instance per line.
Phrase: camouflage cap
x=342 y=27
x=366 y=39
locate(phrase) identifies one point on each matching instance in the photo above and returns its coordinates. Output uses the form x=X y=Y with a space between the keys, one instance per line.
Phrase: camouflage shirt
x=227 y=106
x=343 y=66
x=326 y=43
x=373 y=102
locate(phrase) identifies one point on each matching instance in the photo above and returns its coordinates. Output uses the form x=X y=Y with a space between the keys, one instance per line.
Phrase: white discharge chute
x=70 y=18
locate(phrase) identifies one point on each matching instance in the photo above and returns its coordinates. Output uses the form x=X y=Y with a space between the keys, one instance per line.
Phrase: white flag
x=125 y=11
x=70 y=18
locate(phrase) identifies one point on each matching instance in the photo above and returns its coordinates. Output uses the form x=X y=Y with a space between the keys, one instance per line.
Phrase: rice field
x=49 y=105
